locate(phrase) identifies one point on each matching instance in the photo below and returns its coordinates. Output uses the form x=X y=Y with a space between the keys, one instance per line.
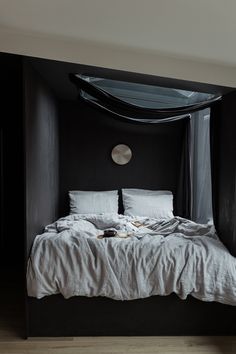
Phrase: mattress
x=146 y=257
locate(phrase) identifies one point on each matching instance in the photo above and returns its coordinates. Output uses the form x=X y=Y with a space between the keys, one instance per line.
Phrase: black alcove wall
x=87 y=137
x=83 y=148
x=41 y=154
x=11 y=165
x=224 y=173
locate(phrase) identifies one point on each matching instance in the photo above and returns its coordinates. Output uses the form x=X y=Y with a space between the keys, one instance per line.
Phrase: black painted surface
x=226 y=182
x=157 y=315
x=12 y=243
x=86 y=141
x=41 y=155
x=11 y=165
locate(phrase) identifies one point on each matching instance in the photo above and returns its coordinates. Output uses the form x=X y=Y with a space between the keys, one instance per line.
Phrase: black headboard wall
x=41 y=154
x=87 y=138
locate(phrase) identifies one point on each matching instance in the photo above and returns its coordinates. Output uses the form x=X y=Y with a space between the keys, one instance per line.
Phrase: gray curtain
x=201 y=209
x=195 y=170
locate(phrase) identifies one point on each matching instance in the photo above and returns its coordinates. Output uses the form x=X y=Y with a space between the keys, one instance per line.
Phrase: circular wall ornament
x=121 y=154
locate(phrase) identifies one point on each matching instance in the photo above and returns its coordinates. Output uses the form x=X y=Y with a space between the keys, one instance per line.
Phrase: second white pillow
x=154 y=204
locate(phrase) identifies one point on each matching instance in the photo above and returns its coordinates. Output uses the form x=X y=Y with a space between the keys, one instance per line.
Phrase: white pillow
x=83 y=202
x=154 y=204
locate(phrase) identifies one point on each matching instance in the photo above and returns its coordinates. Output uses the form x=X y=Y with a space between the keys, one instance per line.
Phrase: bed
x=147 y=256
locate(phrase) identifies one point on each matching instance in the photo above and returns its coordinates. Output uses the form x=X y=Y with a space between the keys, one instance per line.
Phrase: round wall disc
x=121 y=154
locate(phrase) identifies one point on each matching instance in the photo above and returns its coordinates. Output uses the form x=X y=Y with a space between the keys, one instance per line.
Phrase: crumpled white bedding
x=158 y=258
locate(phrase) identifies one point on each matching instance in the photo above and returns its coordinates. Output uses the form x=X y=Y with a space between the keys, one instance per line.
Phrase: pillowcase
x=83 y=202
x=142 y=202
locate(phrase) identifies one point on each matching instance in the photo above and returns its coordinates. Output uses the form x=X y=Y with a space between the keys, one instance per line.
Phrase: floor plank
x=121 y=345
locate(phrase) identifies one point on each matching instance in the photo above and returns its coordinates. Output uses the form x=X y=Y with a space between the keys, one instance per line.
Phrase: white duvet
x=158 y=258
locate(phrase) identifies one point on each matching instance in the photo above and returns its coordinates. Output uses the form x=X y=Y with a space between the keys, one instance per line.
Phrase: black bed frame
x=154 y=316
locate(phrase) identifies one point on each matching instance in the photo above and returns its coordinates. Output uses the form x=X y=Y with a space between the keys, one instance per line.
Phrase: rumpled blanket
x=157 y=257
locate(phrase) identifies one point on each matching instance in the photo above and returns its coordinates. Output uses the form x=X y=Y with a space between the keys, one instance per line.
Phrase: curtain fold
x=184 y=190
x=215 y=152
x=130 y=111
x=133 y=120
x=201 y=167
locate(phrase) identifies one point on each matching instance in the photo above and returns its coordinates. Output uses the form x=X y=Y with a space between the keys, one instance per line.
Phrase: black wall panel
x=226 y=180
x=41 y=154
x=86 y=141
x=11 y=163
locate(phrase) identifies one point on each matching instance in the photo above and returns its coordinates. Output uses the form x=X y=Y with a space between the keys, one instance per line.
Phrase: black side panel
x=87 y=137
x=226 y=189
x=11 y=164
x=42 y=155
x=156 y=315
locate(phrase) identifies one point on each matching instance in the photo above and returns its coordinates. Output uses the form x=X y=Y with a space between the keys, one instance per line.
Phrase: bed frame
x=154 y=316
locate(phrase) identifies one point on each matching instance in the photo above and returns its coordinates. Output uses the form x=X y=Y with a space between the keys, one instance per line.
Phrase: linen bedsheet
x=148 y=257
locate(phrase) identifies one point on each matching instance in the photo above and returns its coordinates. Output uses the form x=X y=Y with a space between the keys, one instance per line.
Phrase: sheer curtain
x=143 y=104
x=201 y=210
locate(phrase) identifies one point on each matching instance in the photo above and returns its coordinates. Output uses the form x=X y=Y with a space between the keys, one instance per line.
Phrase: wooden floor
x=118 y=345
x=11 y=342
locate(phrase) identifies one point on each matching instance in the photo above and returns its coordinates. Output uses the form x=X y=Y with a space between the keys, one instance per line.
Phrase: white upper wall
x=186 y=39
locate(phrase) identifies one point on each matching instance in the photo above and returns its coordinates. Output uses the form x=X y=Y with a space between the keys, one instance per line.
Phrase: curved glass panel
x=147 y=96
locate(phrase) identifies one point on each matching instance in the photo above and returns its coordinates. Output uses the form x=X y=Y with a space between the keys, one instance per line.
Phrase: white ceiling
x=196 y=30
